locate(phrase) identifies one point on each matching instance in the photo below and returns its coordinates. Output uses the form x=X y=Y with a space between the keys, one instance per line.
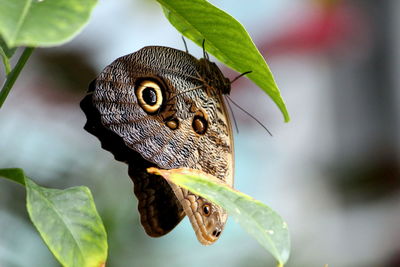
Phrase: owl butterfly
x=162 y=107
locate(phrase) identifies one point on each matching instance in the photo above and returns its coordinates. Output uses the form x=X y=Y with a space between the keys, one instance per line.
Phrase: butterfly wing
x=159 y=209
x=189 y=128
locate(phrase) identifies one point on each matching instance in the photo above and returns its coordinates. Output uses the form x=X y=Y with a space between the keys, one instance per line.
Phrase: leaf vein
x=22 y=18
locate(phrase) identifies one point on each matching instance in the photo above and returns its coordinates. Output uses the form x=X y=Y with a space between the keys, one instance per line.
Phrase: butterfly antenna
x=240 y=75
x=233 y=115
x=205 y=55
x=254 y=118
x=184 y=42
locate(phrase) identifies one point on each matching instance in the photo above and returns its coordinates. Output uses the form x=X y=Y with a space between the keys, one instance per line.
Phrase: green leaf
x=226 y=39
x=42 y=22
x=259 y=220
x=67 y=220
x=13 y=174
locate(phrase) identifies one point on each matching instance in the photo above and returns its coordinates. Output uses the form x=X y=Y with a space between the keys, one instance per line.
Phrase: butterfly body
x=161 y=107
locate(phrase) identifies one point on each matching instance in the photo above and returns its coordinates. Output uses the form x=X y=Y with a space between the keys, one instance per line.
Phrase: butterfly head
x=214 y=77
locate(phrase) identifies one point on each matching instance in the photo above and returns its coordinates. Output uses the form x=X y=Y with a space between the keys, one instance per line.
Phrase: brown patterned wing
x=158 y=102
x=160 y=211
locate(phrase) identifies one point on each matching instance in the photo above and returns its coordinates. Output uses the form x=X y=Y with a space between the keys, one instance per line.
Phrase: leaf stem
x=6 y=61
x=13 y=75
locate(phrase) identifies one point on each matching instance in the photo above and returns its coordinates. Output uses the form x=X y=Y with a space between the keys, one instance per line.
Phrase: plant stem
x=6 y=62
x=13 y=75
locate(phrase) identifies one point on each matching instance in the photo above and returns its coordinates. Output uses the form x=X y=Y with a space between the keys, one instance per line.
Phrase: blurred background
x=333 y=172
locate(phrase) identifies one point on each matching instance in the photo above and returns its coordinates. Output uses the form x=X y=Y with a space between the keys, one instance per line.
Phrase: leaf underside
x=226 y=39
x=42 y=22
x=259 y=220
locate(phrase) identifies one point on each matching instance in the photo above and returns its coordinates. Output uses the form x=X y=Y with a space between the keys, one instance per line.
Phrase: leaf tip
x=153 y=170
x=285 y=113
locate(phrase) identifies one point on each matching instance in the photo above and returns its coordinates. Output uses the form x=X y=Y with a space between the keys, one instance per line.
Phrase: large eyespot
x=206 y=209
x=149 y=96
x=200 y=123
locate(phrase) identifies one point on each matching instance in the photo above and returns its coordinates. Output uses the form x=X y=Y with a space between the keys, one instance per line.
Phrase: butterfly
x=162 y=107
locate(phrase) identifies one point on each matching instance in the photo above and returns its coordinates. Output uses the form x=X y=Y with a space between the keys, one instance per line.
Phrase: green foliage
x=37 y=23
x=13 y=174
x=226 y=39
x=259 y=220
x=67 y=220
x=42 y=22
